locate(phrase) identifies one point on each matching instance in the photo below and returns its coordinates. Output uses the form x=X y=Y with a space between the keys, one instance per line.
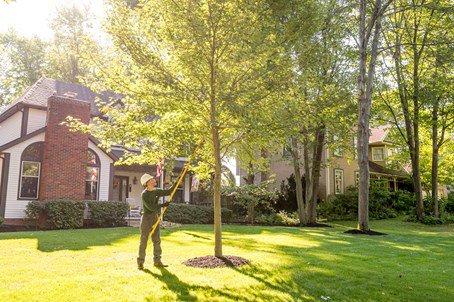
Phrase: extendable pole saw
x=178 y=183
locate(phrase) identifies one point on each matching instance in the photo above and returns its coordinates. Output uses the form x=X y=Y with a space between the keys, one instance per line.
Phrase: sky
x=31 y=17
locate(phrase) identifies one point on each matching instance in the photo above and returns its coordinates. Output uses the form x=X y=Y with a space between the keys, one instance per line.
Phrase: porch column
x=4 y=182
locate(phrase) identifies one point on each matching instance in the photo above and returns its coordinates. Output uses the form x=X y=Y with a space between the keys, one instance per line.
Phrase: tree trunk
x=363 y=126
x=299 y=186
x=316 y=167
x=250 y=181
x=264 y=175
x=217 y=194
x=308 y=179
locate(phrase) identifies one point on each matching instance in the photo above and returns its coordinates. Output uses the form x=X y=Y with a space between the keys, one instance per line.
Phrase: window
x=92 y=176
x=356 y=179
x=31 y=171
x=338 y=181
x=378 y=153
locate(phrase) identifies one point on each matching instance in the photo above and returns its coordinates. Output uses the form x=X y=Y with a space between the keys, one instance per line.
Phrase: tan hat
x=145 y=178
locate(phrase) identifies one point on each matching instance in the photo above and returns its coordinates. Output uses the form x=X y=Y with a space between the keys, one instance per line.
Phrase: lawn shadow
x=183 y=289
x=78 y=239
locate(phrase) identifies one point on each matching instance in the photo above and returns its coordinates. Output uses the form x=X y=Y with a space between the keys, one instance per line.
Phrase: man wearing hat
x=151 y=211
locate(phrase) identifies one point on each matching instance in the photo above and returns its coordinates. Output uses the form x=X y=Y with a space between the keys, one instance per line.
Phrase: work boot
x=160 y=264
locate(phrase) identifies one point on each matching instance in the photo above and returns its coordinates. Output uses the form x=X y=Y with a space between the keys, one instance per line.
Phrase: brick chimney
x=65 y=152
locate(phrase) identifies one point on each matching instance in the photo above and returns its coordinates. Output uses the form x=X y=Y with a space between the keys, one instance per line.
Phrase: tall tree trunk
x=363 y=126
x=217 y=194
x=308 y=179
x=365 y=81
x=250 y=181
x=264 y=175
x=299 y=186
x=316 y=167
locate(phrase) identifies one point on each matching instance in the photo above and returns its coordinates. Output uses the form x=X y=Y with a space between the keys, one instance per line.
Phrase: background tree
x=194 y=69
x=22 y=63
x=71 y=41
x=319 y=98
x=419 y=43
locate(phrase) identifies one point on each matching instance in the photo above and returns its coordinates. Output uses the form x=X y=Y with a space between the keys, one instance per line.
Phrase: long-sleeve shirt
x=150 y=199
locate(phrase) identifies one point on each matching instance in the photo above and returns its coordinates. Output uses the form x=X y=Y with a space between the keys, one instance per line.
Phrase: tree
x=195 y=69
x=71 y=42
x=22 y=63
x=418 y=38
x=319 y=98
x=370 y=23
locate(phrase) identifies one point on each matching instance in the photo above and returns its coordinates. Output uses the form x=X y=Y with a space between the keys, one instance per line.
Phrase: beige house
x=340 y=170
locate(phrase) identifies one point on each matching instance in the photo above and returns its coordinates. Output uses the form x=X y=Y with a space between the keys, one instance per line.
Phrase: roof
x=378 y=134
x=39 y=92
x=376 y=168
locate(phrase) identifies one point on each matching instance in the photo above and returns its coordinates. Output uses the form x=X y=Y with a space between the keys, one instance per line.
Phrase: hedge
x=188 y=213
x=108 y=213
x=65 y=214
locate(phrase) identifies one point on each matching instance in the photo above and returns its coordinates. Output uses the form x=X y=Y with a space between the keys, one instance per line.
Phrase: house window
x=378 y=153
x=92 y=176
x=356 y=179
x=338 y=181
x=31 y=171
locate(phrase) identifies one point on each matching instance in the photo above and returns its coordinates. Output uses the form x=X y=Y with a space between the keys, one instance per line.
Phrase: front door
x=120 y=188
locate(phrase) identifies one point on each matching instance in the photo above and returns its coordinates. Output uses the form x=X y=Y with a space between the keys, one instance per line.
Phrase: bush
x=32 y=212
x=340 y=207
x=188 y=213
x=288 y=218
x=1 y=220
x=108 y=213
x=403 y=201
x=449 y=204
x=65 y=214
x=286 y=200
x=431 y=220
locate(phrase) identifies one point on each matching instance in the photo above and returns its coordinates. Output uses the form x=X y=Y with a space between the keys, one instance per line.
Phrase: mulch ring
x=316 y=225
x=213 y=262
x=359 y=232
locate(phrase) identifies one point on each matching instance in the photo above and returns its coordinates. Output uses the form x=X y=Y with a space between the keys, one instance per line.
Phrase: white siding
x=105 y=171
x=36 y=120
x=14 y=207
x=10 y=128
x=136 y=189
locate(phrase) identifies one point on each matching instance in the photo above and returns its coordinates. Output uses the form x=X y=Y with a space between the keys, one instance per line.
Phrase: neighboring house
x=339 y=171
x=40 y=159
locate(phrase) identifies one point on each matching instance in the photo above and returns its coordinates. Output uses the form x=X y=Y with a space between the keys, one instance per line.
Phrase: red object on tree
x=159 y=169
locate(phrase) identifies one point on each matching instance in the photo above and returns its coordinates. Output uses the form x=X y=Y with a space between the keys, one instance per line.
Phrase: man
x=151 y=211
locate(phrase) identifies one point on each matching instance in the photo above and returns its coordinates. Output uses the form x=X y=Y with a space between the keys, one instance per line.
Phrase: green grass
x=412 y=263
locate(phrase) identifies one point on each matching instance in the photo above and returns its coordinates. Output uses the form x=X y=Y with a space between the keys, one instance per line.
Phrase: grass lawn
x=412 y=263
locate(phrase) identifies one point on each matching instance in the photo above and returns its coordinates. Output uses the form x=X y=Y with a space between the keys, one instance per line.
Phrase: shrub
x=268 y=219
x=253 y=199
x=286 y=200
x=108 y=213
x=188 y=213
x=431 y=220
x=1 y=220
x=65 y=214
x=403 y=201
x=449 y=204
x=288 y=218
x=32 y=212
x=339 y=207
